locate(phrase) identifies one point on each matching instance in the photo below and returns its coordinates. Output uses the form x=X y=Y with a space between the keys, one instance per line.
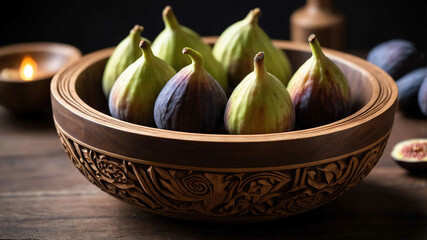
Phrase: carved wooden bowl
x=214 y=177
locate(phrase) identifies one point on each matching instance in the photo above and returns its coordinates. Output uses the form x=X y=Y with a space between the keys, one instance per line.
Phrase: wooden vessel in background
x=321 y=18
x=32 y=96
x=218 y=177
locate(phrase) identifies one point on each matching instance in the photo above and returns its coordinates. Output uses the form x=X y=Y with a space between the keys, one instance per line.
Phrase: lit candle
x=28 y=68
x=27 y=71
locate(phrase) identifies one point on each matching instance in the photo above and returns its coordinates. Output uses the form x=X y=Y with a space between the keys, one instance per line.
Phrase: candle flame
x=28 y=68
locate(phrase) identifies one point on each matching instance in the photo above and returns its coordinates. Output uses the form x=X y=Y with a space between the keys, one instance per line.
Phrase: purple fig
x=319 y=90
x=409 y=86
x=397 y=57
x=259 y=104
x=422 y=97
x=134 y=93
x=192 y=101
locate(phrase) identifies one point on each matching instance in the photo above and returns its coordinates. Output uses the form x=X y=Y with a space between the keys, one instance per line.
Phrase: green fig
x=238 y=44
x=169 y=43
x=192 y=101
x=319 y=90
x=134 y=93
x=259 y=104
x=124 y=55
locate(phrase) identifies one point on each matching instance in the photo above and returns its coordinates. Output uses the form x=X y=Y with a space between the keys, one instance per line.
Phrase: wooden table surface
x=43 y=196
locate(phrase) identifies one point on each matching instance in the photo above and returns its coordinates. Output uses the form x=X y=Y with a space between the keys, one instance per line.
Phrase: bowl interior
x=81 y=112
x=89 y=82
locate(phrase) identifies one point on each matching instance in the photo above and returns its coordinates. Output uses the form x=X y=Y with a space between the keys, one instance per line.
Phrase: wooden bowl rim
x=67 y=96
x=70 y=51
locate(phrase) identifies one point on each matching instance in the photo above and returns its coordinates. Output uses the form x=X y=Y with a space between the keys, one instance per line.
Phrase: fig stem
x=137 y=29
x=169 y=18
x=146 y=49
x=259 y=66
x=253 y=16
x=316 y=49
x=135 y=33
x=196 y=57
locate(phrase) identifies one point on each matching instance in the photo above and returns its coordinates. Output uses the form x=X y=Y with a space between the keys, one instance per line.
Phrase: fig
x=192 y=101
x=411 y=154
x=237 y=45
x=126 y=53
x=259 y=104
x=319 y=90
x=170 y=42
x=134 y=93
x=422 y=97
x=409 y=86
x=397 y=57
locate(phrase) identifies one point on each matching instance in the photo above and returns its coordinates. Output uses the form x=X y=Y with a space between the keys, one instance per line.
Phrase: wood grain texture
x=43 y=196
x=244 y=195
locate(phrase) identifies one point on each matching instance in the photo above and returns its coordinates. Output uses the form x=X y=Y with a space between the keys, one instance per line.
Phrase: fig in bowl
x=224 y=177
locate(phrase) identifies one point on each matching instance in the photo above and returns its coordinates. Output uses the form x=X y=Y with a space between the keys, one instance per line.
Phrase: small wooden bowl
x=32 y=96
x=223 y=178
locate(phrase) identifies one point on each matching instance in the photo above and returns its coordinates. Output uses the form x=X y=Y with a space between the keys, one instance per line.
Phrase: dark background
x=92 y=25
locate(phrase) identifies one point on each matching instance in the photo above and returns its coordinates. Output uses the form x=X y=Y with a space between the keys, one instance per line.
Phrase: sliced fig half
x=411 y=154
